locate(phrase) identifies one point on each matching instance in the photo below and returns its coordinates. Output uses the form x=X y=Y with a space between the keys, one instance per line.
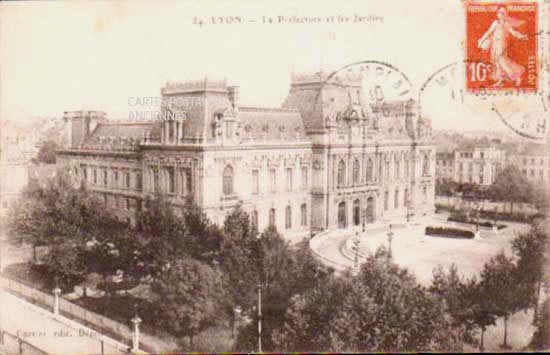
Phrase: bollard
x=56 y=292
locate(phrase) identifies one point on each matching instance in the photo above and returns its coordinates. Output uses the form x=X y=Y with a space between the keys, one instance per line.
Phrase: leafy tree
x=284 y=273
x=460 y=297
x=47 y=154
x=500 y=288
x=191 y=294
x=163 y=235
x=239 y=262
x=511 y=186
x=381 y=309
x=541 y=337
x=533 y=257
x=400 y=316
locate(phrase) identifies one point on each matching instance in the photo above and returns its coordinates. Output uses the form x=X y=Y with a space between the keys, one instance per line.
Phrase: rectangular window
x=254 y=220
x=127 y=180
x=139 y=181
x=303 y=215
x=115 y=178
x=304 y=177
x=84 y=169
x=188 y=181
x=289 y=179
x=127 y=203
x=171 y=179
x=95 y=177
x=155 y=180
x=105 y=177
x=288 y=217
x=255 y=182
x=273 y=178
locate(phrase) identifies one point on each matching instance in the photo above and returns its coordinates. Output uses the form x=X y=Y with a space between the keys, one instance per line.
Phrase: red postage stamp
x=501 y=46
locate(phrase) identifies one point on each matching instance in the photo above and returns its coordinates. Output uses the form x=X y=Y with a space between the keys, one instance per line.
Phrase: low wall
x=99 y=323
x=12 y=344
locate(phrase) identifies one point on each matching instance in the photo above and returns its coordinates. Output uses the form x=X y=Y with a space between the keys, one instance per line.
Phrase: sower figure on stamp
x=496 y=40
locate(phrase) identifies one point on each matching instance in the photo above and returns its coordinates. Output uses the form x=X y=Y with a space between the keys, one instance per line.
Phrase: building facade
x=534 y=162
x=477 y=165
x=325 y=160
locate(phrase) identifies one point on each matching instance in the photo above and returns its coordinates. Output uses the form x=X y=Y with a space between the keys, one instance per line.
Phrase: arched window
x=396 y=199
x=228 y=180
x=406 y=201
x=356 y=212
x=426 y=165
x=303 y=214
x=386 y=200
x=254 y=220
x=341 y=173
x=272 y=217
x=370 y=170
x=406 y=167
x=356 y=171
x=288 y=217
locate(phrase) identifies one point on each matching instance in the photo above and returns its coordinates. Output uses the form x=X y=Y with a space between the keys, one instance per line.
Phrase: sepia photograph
x=274 y=176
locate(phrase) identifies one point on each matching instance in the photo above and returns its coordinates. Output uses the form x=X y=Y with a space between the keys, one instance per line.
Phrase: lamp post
x=356 y=252
x=260 y=267
x=135 y=334
x=364 y=217
x=390 y=237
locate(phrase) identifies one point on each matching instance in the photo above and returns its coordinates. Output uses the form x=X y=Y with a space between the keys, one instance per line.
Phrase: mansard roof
x=120 y=136
x=271 y=124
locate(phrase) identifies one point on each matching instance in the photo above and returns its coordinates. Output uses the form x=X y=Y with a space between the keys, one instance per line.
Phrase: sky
x=58 y=55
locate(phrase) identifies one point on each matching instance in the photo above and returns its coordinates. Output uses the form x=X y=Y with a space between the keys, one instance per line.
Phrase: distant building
x=325 y=160
x=477 y=165
x=534 y=162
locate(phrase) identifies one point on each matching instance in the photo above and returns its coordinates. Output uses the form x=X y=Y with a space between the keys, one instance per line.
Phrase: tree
x=500 y=288
x=400 y=316
x=541 y=337
x=283 y=273
x=459 y=296
x=511 y=186
x=191 y=294
x=164 y=236
x=533 y=256
x=381 y=309
x=47 y=154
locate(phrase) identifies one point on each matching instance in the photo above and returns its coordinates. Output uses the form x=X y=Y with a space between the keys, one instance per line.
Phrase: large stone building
x=326 y=159
x=477 y=165
x=534 y=162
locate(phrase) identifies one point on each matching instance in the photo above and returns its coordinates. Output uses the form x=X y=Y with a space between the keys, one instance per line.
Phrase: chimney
x=80 y=124
x=234 y=96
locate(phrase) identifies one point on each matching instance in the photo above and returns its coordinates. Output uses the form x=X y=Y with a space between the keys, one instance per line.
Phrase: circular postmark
x=373 y=92
x=443 y=97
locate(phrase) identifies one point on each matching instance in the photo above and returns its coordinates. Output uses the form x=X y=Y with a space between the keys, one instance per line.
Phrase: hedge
x=449 y=232
x=463 y=218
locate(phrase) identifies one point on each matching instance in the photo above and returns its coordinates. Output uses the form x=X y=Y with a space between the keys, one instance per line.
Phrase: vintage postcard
x=274 y=177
